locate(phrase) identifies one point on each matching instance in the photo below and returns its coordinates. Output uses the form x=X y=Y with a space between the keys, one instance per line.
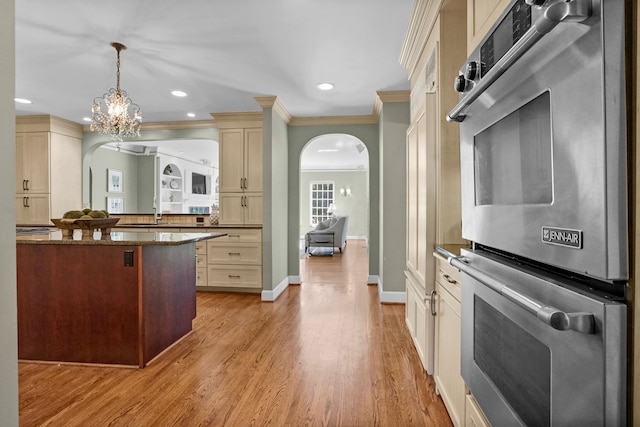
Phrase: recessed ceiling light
x=22 y=100
x=178 y=93
x=86 y=119
x=191 y=114
x=325 y=86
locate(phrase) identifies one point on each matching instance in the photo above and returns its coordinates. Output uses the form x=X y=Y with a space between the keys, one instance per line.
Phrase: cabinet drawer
x=449 y=278
x=201 y=276
x=235 y=254
x=473 y=414
x=237 y=235
x=201 y=247
x=201 y=261
x=234 y=277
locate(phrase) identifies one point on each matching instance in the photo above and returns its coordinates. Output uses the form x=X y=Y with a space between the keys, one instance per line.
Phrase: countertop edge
x=107 y=242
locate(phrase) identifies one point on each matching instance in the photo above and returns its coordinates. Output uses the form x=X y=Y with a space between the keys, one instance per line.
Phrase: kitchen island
x=121 y=300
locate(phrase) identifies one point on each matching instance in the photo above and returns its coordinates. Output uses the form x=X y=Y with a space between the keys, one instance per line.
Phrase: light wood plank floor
x=325 y=353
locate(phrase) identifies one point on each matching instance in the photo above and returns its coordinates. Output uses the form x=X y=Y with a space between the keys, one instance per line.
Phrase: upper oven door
x=543 y=152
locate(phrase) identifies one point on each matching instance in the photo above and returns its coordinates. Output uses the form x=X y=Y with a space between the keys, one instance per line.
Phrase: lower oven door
x=524 y=371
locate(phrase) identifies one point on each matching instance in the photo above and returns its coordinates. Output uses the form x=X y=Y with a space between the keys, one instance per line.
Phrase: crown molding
x=423 y=18
x=394 y=95
x=237 y=120
x=274 y=103
x=48 y=123
x=334 y=120
x=383 y=96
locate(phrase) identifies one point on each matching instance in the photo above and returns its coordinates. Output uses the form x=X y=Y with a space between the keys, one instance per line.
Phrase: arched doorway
x=334 y=181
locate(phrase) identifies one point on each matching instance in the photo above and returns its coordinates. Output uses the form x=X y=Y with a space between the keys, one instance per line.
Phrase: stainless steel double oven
x=543 y=161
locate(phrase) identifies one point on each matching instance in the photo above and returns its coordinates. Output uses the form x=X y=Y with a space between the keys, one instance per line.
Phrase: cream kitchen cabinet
x=432 y=58
x=241 y=176
x=234 y=262
x=48 y=168
x=433 y=166
x=201 y=263
x=241 y=160
x=32 y=208
x=473 y=414
x=449 y=383
x=420 y=322
x=420 y=232
x=32 y=162
x=240 y=209
x=461 y=405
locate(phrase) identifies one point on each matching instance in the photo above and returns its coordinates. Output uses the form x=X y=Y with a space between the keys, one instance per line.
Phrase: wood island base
x=102 y=303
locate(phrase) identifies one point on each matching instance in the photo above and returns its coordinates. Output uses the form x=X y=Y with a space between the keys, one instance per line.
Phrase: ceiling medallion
x=115 y=114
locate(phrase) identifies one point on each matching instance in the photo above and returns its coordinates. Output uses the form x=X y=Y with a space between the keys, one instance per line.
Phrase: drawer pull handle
x=234 y=235
x=234 y=253
x=448 y=278
x=233 y=276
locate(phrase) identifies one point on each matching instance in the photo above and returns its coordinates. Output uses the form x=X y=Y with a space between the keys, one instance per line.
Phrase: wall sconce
x=345 y=192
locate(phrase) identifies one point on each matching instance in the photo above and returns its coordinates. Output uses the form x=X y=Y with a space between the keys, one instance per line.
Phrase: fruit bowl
x=86 y=225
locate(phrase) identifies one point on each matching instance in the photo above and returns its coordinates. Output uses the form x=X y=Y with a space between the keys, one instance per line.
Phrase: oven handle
x=571 y=11
x=556 y=318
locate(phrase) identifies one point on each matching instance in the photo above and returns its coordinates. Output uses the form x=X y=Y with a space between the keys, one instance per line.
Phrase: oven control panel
x=500 y=39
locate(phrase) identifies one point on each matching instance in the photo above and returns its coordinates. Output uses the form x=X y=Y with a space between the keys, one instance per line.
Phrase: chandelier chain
x=118 y=71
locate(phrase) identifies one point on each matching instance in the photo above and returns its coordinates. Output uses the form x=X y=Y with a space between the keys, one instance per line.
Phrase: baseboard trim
x=387 y=297
x=274 y=294
x=295 y=280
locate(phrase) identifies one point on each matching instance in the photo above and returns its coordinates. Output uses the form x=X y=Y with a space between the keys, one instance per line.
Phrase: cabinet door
x=426 y=192
x=32 y=209
x=253 y=209
x=253 y=160
x=449 y=382
x=231 y=160
x=32 y=162
x=412 y=198
x=231 y=209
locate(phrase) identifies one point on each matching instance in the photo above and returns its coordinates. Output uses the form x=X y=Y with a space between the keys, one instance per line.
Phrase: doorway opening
x=334 y=195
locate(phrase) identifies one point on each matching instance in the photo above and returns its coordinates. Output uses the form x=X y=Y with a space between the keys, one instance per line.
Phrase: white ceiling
x=222 y=53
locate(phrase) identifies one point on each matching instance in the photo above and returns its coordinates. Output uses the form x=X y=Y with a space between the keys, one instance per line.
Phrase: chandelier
x=115 y=114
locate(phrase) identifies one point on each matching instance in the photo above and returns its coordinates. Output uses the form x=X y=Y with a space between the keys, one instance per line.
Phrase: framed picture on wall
x=115 y=205
x=115 y=181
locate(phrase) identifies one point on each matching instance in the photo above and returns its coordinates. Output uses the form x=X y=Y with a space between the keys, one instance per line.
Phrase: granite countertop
x=182 y=226
x=53 y=236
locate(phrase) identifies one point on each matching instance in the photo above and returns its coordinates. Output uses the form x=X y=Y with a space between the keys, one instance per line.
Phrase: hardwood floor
x=324 y=353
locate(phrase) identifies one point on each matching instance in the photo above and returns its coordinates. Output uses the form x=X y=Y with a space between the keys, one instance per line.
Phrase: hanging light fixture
x=115 y=114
